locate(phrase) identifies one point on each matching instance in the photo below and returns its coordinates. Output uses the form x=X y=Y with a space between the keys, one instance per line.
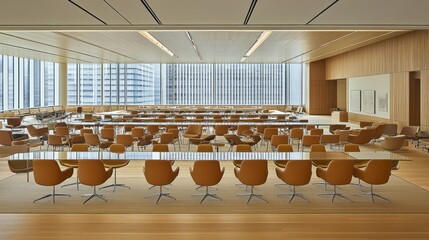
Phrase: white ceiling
x=222 y=30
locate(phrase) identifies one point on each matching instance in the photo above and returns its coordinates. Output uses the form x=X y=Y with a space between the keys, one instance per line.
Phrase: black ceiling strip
x=322 y=12
x=249 y=13
x=117 y=12
x=77 y=5
x=151 y=12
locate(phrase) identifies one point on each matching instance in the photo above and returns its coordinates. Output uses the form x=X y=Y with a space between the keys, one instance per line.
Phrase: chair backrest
x=410 y=131
x=92 y=172
x=351 y=148
x=279 y=139
x=125 y=139
x=55 y=140
x=379 y=129
x=363 y=124
x=269 y=132
x=107 y=133
x=175 y=132
x=339 y=172
x=62 y=131
x=32 y=130
x=92 y=139
x=137 y=132
x=343 y=134
x=232 y=139
x=79 y=147
x=159 y=172
x=377 y=171
x=204 y=148
x=392 y=143
x=117 y=148
x=317 y=148
x=221 y=130
x=153 y=129
x=391 y=129
x=243 y=148
x=308 y=140
x=166 y=138
x=284 y=148
x=334 y=127
x=326 y=139
x=6 y=137
x=253 y=172
x=297 y=173
x=160 y=148
x=296 y=133
x=207 y=172
x=14 y=121
x=83 y=131
x=87 y=117
x=316 y=131
x=194 y=129
x=242 y=129
x=47 y=172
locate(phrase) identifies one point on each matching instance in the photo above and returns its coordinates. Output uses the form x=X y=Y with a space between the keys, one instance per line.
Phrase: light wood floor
x=229 y=226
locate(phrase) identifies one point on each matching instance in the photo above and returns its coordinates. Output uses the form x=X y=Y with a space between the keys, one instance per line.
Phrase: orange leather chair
x=204 y=148
x=160 y=147
x=392 y=143
x=39 y=133
x=364 y=136
x=308 y=140
x=6 y=138
x=279 y=139
x=295 y=173
x=126 y=140
x=268 y=133
x=234 y=140
x=193 y=131
x=48 y=173
x=283 y=148
x=207 y=173
x=316 y=131
x=241 y=148
x=176 y=138
x=376 y=172
x=334 y=127
x=220 y=130
x=94 y=141
x=159 y=173
x=93 y=173
x=56 y=141
x=252 y=173
x=107 y=134
x=296 y=134
x=338 y=172
x=81 y=147
x=115 y=164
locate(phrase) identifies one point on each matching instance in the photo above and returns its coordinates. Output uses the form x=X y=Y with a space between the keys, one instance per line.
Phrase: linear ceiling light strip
x=156 y=42
x=264 y=35
x=151 y=11
x=188 y=34
x=322 y=12
x=83 y=9
x=249 y=13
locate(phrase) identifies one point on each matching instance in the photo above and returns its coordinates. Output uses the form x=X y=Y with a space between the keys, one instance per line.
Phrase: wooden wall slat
x=323 y=94
x=424 y=100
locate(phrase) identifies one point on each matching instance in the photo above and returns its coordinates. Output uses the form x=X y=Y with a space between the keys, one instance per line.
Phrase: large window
x=185 y=84
x=27 y=83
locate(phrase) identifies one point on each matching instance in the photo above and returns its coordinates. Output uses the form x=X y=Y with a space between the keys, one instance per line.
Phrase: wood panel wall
x=323 y=94
x=397 y=56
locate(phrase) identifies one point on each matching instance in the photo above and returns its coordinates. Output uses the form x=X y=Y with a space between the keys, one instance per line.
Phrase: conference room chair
x=316 y=131
x=244 y=130
x=277 y=140
x=94 y=141
x=83 y=147
x=7 y=137
x=363 y=124
x=166 y=138
x=14 y=122
x=137 y=133
x=39 y=133
x=48 y=173
x=295 y=173
x=260 y=129
x=308 y=140
x=153 y=129
x=87 y=117
x=393 y=143
x=234 y=140
x=241 y=148
x=410 y=131
x=330 y=139
x=268 y=133
x=204 y=147
x=128 y=128
x=334 y=127
x=17 y=166
x=176 y=137
x=107 y=134
x=309 y=127
x=93 y=173
x=252 y=173
x=193 y=131
x=378 y=131
x=86 y=130
x=220 y=130
x=338 y=172
x=57 y=142
x=343 y=136
x=159 y=173
x=126 y=140
x=158 y=147
x=206 y=173
x=390 y=129
x=362 y=137
x=296 y=134
x=115 y=164
x=357 y=163
x=376 y=172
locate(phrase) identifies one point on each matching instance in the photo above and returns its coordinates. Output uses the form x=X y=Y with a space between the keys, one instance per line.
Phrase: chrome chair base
x=372 y=194
x=334 y=194
x=293 y=194
x=207 y=194
x=53 y=194
x=77 y=183
x=203 y=186
x=160 y=194
x=251 y=195
x=92 y=195
x=114 y=185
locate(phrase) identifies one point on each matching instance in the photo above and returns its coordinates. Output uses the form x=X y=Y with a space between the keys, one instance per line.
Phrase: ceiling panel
x=223 y=46
x=287 y=11
x=201 y=11
x=102 y=10
x=43 y=12
x=376 y=12
x=179 y=44
x=133 y=11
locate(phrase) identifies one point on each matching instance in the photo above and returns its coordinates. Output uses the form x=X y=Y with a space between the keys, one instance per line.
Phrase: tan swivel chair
x=317 y=148
x=17 y=166
x=83 y=147
x=343 y=136
x=334 y=127
x=332 y=140
x=391 y=129
x=357 y=163
x=176 y=137
x=153 y=129
x=308 y=140
x=410 y=131
x=193 y=131
x=126 y=140
x=14 y=122
x=6 y=138
x=316 y=131
x=363 y=124
x=107 y=134
x=377 y=172
x=220 y=130
x=364 y=136
x=48 y=173
x=56 y=142
x=207 y=173
x=93 y=173
x=87 y=117
x=296 y=134
x=204 y=148
x=392 y=143
x=283 y=148
x=378 y=131
x=268 y=133
x=159 y=173
x=252 y=173
x=137 y=133
x=86 y=130
x=241 y=148
x=39 y=133
x=278 y=139
x=295 y=173
x=94 y=141
x=244 y=130
x=166 y=138
x=128 y=127
x=234 y=140
x=115 y=164
x=338 y=172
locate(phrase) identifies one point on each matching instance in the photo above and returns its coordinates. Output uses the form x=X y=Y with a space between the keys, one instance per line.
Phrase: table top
x=228 y=156
x=204 y=123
